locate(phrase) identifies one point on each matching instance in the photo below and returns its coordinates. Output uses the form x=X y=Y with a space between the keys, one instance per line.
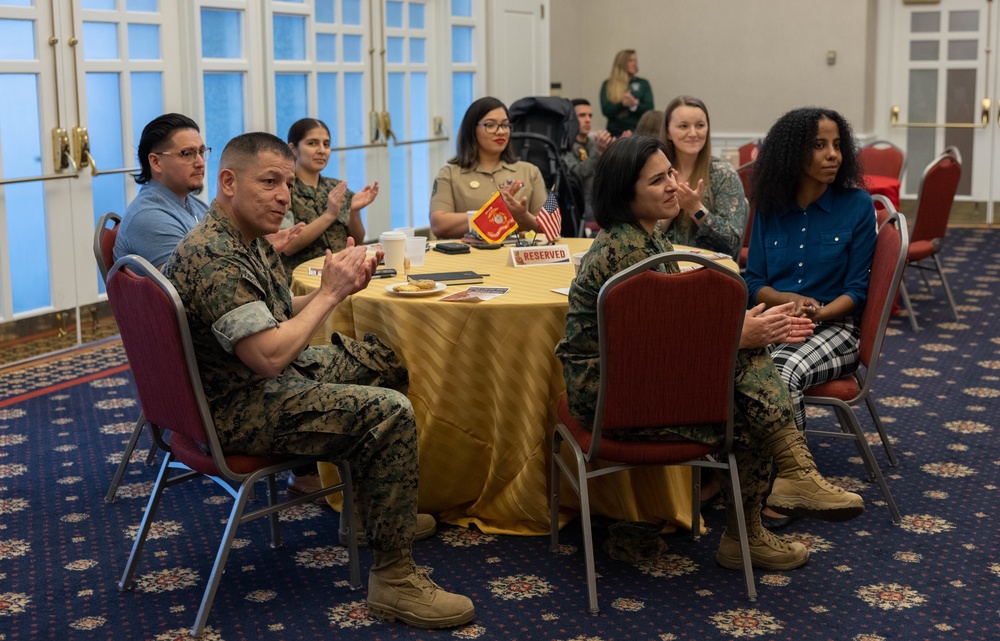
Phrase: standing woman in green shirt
x=624 y=95
x=331 y=211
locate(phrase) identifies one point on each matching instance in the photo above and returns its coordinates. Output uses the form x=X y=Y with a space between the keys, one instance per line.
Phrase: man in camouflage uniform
x=271 y=393
x=582 y=157
x=763 y=419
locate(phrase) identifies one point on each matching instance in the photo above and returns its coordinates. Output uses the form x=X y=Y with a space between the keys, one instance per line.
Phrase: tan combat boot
x=767 y=551
x=799 y=489
x=426 y=526
x=397 y=591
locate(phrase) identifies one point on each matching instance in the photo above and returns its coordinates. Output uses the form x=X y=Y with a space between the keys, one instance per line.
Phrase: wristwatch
x=698 y=215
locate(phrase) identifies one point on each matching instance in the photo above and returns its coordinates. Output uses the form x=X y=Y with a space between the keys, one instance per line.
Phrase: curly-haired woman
x=812 y=243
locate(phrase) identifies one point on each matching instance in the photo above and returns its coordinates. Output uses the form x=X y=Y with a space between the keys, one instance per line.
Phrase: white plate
x=423 y=292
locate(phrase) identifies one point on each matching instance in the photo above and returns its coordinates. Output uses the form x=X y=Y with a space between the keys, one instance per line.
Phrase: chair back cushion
x=888 y=262
x=668 y=347
x=104 y=243
x=155 y=335
x=882 y=159
x=937 y=194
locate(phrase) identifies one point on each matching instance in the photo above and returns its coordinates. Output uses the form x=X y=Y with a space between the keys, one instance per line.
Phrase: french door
x=78 y=80
x=943 y=91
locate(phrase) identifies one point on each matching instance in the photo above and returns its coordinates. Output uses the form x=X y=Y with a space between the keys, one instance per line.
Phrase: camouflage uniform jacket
x=308 y=204
x=232 y=290
x=613 y=250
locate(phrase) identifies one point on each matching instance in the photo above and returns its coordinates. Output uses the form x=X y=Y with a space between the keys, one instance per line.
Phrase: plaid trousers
x=831 y=352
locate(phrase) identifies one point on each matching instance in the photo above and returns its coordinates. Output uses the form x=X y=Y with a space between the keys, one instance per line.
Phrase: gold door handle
x=984 y=120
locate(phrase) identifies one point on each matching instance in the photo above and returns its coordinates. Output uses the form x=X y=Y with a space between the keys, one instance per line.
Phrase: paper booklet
x=476 y=293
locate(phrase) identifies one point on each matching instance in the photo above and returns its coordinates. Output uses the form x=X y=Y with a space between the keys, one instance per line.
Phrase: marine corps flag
x=493 y=221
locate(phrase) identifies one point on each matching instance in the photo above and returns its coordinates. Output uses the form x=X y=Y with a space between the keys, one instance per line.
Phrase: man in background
x=582 y=158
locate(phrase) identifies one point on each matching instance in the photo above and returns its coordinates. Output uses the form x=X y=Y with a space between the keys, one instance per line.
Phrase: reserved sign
x=532 y=256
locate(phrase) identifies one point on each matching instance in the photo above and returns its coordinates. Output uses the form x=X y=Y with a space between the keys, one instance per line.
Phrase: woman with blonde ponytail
x=624 y=95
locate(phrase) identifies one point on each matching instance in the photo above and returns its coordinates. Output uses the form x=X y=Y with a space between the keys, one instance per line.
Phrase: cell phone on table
x=452 y=248
x=385 y=272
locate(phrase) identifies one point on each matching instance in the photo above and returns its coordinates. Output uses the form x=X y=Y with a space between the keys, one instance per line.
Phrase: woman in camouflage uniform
x=635 y=189
x=331 y=211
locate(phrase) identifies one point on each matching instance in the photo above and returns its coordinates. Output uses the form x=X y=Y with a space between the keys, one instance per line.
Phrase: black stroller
x=544 y=128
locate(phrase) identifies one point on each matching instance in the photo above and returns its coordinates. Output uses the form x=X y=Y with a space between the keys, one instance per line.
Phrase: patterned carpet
x=63 y=425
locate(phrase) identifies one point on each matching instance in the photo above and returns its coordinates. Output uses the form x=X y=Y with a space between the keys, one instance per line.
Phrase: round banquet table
x=485 y=385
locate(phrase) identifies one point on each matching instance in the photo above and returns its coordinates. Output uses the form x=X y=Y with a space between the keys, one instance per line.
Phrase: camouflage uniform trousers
x=762 y=407
x=365 y=418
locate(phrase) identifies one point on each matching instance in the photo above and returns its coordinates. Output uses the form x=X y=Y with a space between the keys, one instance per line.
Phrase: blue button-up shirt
x=155 y=221
x=823 y=251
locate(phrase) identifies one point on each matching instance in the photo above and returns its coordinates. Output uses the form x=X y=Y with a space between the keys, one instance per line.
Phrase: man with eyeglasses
x=172 y=160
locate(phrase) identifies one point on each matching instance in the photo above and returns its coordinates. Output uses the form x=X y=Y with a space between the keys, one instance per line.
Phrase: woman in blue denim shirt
x=812 y=242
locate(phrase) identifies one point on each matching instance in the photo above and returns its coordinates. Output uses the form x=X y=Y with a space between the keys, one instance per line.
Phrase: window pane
x=963 y=49
x=394 y=50
x=326 y=47
x=924 y=50
x=925 y=22
x=963 y=21
x=960 y=106
x=461 y=44
x=17 y=40
x=352 y=11
x=16 y=3
x=326 y=90
x=462 y=91
x=399 y=173
x=104 y=118
x=291 y=99
x=289 y=37
x=394 y=14
x=20 y=147
x=418 y=51
x=461 y=8
x=144 y=42
x=141 y=5
x=922 y=107
x=221 y=34
x=147 y=103
x=325 y=11
x=416 y=15
x=100 y=41
x=352 y=48
x=224 y=118
x=354 y=130
x=98 y=4
x=420 y=155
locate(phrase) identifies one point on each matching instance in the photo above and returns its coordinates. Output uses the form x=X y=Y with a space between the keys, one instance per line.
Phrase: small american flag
x=549 y=219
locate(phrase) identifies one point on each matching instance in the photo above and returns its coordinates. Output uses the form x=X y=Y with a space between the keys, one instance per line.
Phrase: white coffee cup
x=394 y=246
x=406 y=230
x=415 y=249
x=577 y=261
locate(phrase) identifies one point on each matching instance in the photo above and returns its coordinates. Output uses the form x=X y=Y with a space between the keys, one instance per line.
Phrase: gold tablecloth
x=484 y=383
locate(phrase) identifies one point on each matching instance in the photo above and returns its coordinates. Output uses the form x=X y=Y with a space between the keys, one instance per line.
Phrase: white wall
x=749 y=60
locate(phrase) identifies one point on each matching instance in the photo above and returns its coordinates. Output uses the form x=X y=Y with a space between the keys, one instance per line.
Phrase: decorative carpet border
x=28 y=380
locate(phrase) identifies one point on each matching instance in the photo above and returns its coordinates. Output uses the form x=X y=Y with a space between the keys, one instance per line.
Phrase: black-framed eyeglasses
x=188 y=155
x=492 y=127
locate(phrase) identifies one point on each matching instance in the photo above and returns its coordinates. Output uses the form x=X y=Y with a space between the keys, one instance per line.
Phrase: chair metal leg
x=120 y=472
x=741 y=524
x=144 y=525
x=846 y=418
x=947 y=289
x=151 y=455
x=352 y=535
x=890 y=451
x=695 y=502
x=906 y=303
x=588 y=537
x=273 y=519
x=872 y=465
x=554 y=492
x=235 y=516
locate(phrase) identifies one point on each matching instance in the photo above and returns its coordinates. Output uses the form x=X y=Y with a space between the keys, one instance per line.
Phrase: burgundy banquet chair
x=683 y=378
x=882 y=158
x=158 y=344
x=104 y=250
x=847 y=392
x=934 y=201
